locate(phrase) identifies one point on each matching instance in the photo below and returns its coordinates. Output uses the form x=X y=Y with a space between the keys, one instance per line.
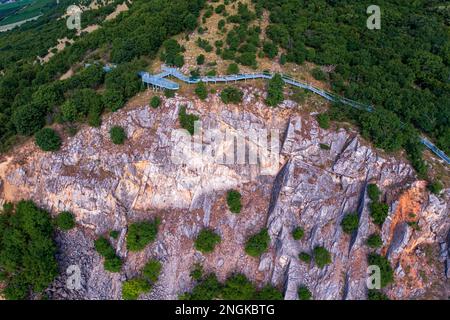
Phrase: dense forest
x=31 y=94
x=403 y=69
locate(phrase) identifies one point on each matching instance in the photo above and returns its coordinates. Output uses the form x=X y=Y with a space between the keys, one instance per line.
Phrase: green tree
x=318 y=74
x=27 y=250
x=140 y=234
x=117 y=135
x=197 y=272
x=269 y=293
x=48 y=140
x=207 y=240
x=169 y=93
x=233 y=68
x=114 y=234
x=231 y=95
x=28 y=119
x=298 y=233
x=69 y=111
x=435 y=187
x=112 y=262
x=238 y=287
x=113 y=100
x=350 y=223
x=373 y=192
x=200 y=59
x=379 y=212
x=207 y=288
x=201 y=91
x=275 y=93
x=374 y=241
x=321 y=257
x=270 y=49
x=376 y=295
x=305 y=257
x=387 y=274
x=187 y=121
x=258 y=243
x=65 y=220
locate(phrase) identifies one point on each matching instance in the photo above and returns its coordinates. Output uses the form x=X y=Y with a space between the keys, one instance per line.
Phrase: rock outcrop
x=108 y=186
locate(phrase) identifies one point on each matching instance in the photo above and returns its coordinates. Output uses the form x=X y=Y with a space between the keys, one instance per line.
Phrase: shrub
x=140 y=234
x=48 y=140
x=435 y=187
x=206 y=241
x=27 y=250
x=207 y=289
x=104 y=248
x=112 y=262
x=258 y=243
x=350 y=223
x=304 y=293
x=172 y=53
x=28 y=119
x=113 y=99
x=305 y=257
x=201 y=59
x=211 y=73
x=201 y=91
x=169 y=93
x=152 y=270
x=324 y=120
x=374 y=192
x=376 y=295
x=187 y=121
x=270 y=49
x=324 y=146
x=231 y=95
x=374 y=241
x=298 y=233
x=233 y=68
x=275 y=93
x=387 y=274
x=269 y=293
x=318 y=74
x=132 y=289
x=379 y=212
x=238 y=287
x=234 y=201
x=65 y=221
x=321 y=257
x=117 y=135
x=155 y=102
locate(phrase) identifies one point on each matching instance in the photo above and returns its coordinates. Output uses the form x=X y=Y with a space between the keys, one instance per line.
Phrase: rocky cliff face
x=107 y=186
